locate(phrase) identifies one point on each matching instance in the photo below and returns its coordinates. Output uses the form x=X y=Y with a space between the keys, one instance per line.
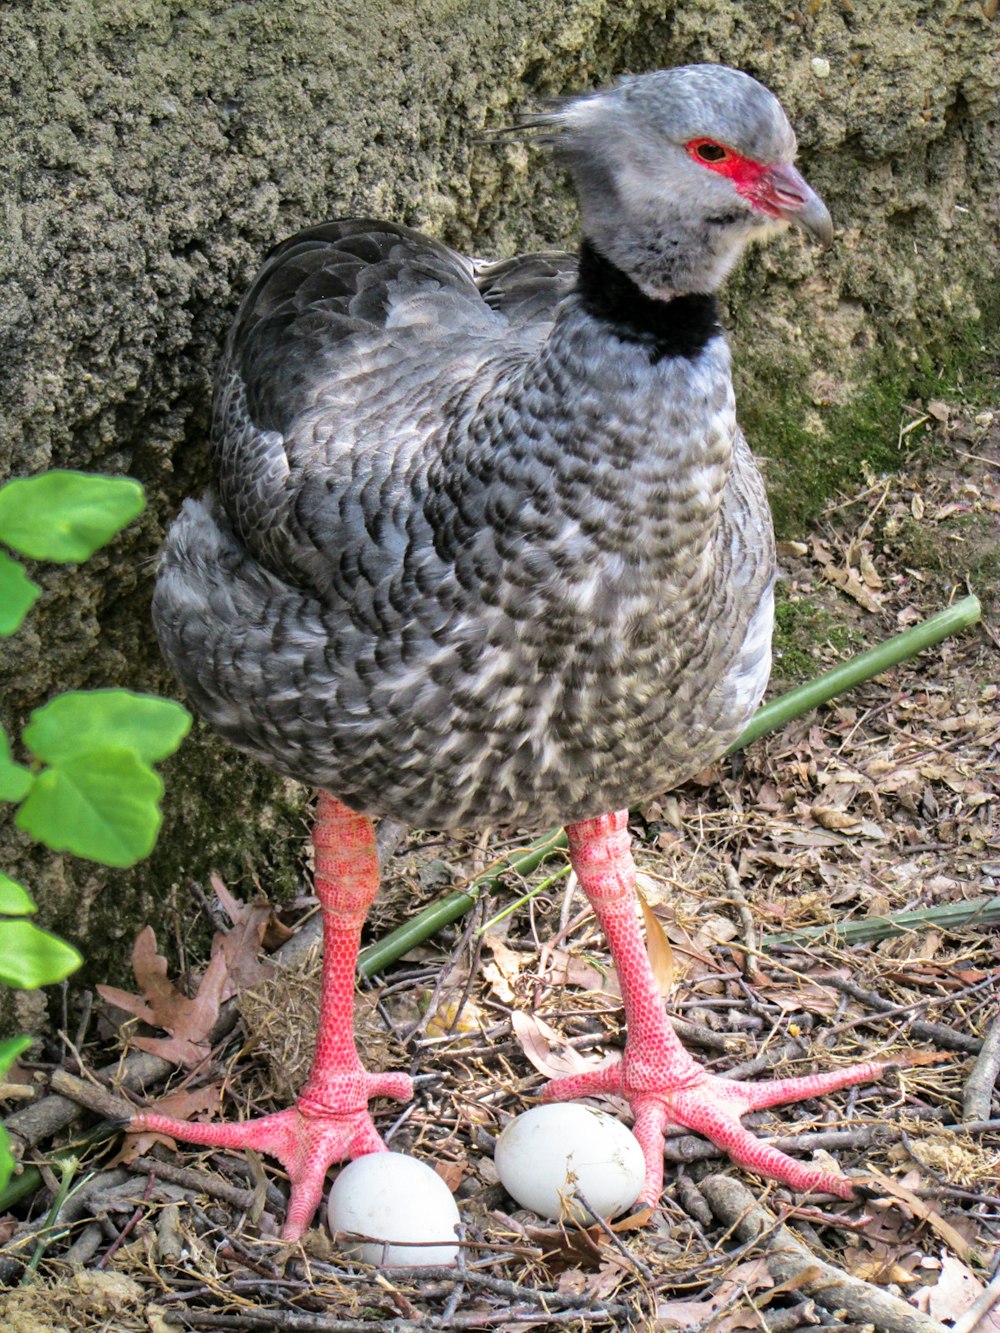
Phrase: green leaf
x=15 y=900
x=66 y=516
x=101 y=805
x=9 y=1051
x=87 y=721
x=18 y=594
x=30 y=957
x=15 y=779
x=7 y=1162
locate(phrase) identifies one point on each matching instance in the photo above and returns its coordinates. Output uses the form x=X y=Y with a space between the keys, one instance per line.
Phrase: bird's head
x=677 y=170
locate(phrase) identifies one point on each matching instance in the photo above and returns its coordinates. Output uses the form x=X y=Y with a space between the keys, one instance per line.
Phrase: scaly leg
x=662 y=1083
x=329 y=1121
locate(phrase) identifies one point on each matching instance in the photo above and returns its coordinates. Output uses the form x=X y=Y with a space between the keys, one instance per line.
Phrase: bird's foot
x=306 y=1139
x=712 y=1106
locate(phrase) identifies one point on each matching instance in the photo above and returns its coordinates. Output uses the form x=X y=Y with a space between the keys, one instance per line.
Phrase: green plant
x=90 y=787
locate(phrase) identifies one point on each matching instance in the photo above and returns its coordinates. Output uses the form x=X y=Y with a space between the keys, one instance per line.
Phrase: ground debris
x=883 y=803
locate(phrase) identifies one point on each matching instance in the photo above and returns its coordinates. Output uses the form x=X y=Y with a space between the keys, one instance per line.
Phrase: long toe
x=305 y=1145
x=716 y=1121
x=605 y=1079
x=713 y=1106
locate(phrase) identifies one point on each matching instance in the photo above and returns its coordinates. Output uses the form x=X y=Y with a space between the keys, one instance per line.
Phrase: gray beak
x=787 y=193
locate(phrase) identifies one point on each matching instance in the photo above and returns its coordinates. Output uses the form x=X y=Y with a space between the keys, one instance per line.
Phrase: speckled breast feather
x=480 y=548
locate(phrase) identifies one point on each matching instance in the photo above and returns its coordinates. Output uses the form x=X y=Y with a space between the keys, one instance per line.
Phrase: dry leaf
x=455 y=1013
x=947 y=510
x=243 y=943
x=452 y=1173
x=509 y=962
x=956 y=1289
x=503 y=972
x=161 y=1004
x=661 y=956
x=847 y=581
x=868 y=571
x=544 y=1047
x=745 y=1280
x=923 y=1211
x=878 y=1264
x=635 y=1221
x=569 y=969
x=833 y=819
x=564 y=1248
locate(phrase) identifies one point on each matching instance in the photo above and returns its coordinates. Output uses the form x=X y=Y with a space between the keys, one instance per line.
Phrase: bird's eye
x=710 y=152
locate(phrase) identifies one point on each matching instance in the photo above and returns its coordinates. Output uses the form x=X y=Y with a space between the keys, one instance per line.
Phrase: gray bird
x=486 y=545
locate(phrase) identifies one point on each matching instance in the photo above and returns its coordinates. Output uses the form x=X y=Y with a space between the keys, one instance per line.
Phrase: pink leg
x=662 y=1083
x=330 y=1120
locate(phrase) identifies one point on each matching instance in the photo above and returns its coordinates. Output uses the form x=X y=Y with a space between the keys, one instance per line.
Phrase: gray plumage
x=481 y=547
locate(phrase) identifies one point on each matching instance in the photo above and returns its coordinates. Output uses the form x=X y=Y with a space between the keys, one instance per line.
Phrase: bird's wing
x=527 y=288
x=342 y=357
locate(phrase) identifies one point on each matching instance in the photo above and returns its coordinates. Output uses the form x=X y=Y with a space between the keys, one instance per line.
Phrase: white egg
x=395 y=1199
x=549 y=1153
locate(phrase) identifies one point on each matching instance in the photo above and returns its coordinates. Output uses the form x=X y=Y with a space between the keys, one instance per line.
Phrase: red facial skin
x=771 y=188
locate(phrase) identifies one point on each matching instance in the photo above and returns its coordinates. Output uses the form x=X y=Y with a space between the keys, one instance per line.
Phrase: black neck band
x=680 y=326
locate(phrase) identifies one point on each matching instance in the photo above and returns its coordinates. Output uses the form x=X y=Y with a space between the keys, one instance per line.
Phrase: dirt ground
x=774 y=877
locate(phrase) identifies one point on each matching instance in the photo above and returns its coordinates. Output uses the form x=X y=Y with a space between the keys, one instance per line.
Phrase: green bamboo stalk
x=975 y=911
x=68 y=1167
x=516 y=903
x=769 y=718
x=455 y=904
x=857 y=669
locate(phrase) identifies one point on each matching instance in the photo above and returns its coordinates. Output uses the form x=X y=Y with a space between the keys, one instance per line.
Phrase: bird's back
x=474 y=552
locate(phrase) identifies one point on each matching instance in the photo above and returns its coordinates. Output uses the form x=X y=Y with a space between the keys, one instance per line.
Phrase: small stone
x=820 y=67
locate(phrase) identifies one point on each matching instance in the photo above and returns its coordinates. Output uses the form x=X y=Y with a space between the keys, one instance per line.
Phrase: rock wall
x=156 y=148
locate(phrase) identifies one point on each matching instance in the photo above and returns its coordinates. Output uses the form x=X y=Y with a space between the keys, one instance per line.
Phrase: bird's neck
x=672 y=325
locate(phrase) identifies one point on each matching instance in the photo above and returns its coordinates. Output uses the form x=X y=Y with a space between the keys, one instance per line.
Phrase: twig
x=980 y=1307
x=91 y=1095
x=201 y=1182
x=130 y=1225
x=789 y=1260
x=84 y=1247
x=751 y=948
x=913 y=1007
x=939 y=1033
x=514 y=1291
x=76 y=1205
x=169 y=1241
x=683 y=1148
x=456 y=903
x=614 y=1238
x=787 y=1321
x=977 y=1096
x=289 y=1321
